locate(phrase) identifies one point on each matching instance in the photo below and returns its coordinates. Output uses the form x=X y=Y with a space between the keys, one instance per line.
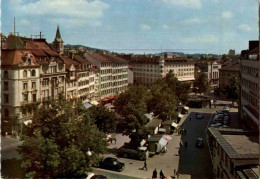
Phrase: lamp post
x=89 y=153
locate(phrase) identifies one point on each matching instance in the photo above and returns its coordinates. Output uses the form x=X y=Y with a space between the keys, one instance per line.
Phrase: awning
x=174 y=125
x=186 y=107
x=162 y=130
x=94 y=102
x=186 y=79
x=161 y=144
x=87 y=105
x=249 y=113
x=111 y=97
x=105 y=99
x=180 y=115
x=27 y=122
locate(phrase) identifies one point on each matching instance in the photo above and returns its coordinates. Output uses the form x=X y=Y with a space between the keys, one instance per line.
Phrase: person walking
x=145 y=166
x=181 y=144
x=154 y=174
x=161 y=175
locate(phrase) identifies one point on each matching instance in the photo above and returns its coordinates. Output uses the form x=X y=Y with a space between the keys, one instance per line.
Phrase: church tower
x=58 y=42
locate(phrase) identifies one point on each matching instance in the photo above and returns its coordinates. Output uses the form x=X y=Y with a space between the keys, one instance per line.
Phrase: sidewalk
x=8 y=147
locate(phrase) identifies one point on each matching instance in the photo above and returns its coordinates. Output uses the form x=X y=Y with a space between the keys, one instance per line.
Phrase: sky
x=138 y=26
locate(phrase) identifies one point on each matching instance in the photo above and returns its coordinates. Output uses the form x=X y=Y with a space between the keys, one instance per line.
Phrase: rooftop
x=105 y=58
x=243 y=144
x=237 y=143
x=154 y=123
x=232 y=67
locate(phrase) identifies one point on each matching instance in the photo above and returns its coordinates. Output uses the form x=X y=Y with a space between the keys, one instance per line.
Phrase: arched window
x=24 y=73
x=6 y=113
x=33 y=73
x=6 y=74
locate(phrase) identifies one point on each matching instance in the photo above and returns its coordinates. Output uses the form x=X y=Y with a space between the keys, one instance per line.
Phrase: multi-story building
x=234 y=153
x=249 y=96
x=113 y=74
x=80 y=79
x=224 y=75
x=211 y=69
x=149 y=69
x=33 y=72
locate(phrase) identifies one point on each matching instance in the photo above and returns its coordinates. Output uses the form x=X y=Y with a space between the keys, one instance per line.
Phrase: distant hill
x=196 y=56
x=84 y=48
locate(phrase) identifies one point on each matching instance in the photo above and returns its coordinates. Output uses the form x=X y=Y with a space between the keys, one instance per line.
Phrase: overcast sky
x=139 y=26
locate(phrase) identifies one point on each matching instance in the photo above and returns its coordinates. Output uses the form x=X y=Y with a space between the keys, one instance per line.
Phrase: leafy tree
x=201 y=84
x=103 y=118
x=163 y=103
x=232 y=88
x=133 y=101
x=60 y=135
x=132 y=105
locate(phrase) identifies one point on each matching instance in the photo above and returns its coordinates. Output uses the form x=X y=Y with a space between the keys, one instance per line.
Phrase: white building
x=149 y=69
x=113 y=74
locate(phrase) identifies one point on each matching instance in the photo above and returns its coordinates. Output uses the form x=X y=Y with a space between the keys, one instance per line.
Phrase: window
x=5 y=86
x=34 y=97
x=25 y=97
x=6 y=98
x=25 y=86
x=33 y=73
x=6 y=113
x=34 y=85
x=6 y=74
x=24 y=73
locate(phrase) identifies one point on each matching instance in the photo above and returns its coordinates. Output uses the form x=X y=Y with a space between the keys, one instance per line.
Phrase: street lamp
x=89 y=153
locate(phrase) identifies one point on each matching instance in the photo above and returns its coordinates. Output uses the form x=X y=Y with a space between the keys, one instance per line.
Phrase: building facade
x=249 y=96
x=234 y=153
x=224 y=75
x=211 y=69
x=113 y=74
x=33 y=73
x=147 y=70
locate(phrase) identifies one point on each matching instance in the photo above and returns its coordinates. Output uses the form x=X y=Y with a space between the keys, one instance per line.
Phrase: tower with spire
x=58 y=42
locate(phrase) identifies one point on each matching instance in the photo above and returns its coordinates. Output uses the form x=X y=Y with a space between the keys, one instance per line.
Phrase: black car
x=98 y=177
x=199 y=142
x=112 y=164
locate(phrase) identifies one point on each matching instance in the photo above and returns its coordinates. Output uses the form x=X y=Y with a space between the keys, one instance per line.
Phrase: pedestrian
x=154 y=174
x=185 y=144
x=145 y=166
x=179 y=151
x=161 y=175
x=181 y=144
x=190 y=118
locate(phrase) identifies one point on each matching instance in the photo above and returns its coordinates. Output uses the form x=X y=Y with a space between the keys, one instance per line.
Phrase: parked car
x=199 y=115
x=226 y=108
x=199 y=142
x=216 y=125
x=111 y=163
x=225 y=126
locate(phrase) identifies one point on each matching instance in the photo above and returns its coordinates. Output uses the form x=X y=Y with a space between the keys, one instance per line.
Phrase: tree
x=103 y=118
x=163 y=103
x=181 y=90
x=61 y=134
x=132 y=105
x=231 y=89
x=201 y=84
x=133 y=101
